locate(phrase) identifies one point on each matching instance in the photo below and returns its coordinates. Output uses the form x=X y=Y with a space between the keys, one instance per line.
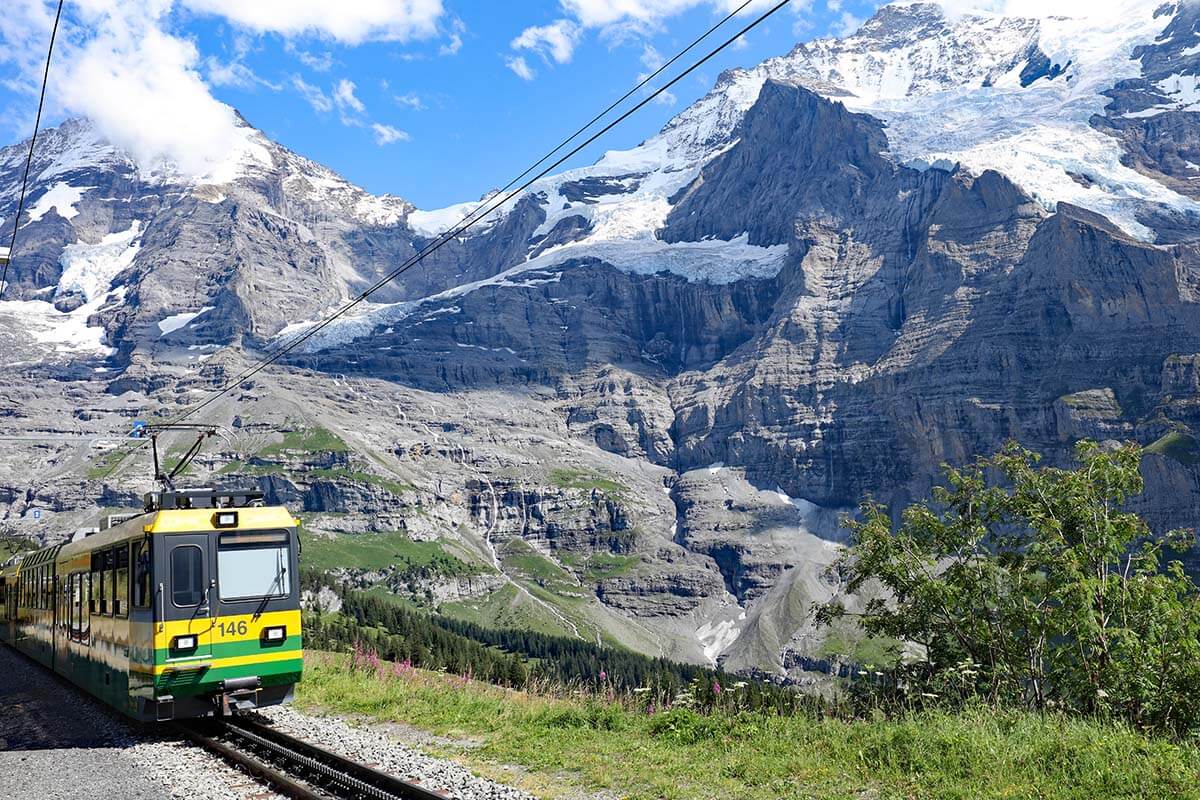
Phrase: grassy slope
x=562 y=744
x=371 y=551
x=1179 y=446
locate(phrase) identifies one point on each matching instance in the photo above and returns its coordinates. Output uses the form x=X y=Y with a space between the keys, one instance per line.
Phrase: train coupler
x=239 y=694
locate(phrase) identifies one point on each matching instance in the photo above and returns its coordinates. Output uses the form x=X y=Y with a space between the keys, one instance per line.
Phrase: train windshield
x=252 y=565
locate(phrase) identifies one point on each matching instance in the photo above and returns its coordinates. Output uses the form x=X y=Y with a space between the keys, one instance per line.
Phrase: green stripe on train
x=245 y=647
x=276 y=673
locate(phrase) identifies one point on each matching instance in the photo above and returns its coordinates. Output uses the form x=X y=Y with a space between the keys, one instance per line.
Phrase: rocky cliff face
x=638 y=400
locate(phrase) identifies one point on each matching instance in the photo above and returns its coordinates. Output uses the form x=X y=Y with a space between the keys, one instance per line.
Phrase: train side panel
x=163 y=635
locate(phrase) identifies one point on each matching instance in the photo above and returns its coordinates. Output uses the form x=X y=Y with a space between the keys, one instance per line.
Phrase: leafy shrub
x=1030 y=586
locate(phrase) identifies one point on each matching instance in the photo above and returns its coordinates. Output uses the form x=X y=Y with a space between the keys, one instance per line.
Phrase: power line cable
x=448 y=236
x=638 y=87
x=472 y=220
x=12 y=245
x=482 y=210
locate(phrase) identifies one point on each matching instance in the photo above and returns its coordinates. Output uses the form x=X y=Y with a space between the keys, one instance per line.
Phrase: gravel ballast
x=375 y=748
x=56 y=743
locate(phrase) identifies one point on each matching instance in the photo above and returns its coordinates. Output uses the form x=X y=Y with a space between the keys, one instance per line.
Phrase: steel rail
x=320 y=771
x=255 y=768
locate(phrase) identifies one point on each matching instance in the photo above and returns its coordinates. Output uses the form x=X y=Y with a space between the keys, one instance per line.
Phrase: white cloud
x=235 y=74
x=23 y=44
x=313 y=95
x=349 y=23
x=652 y=60
x=411 y=100
x=142 y=87
x=120 y=63
x=344 y=98
x=520 y=66
x=646 y=13
x=618 y=21
x=847 y=24
x=317 y=62
x=386 y=134
x=454 y=39
x=554 y=41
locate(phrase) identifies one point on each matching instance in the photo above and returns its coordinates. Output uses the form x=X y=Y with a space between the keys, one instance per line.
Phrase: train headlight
x=275 y=635
x=225 y=519
x=183 y=643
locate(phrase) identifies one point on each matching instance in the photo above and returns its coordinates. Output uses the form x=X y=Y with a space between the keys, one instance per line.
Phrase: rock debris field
x=58 y=744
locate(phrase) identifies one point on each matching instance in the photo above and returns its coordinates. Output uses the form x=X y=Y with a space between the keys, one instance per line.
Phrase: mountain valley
x=634 y=405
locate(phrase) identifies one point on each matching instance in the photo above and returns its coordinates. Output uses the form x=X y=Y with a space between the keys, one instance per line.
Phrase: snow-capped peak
x=984 y=90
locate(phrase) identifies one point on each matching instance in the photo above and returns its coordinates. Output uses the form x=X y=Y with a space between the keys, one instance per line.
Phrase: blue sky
x=438 y=103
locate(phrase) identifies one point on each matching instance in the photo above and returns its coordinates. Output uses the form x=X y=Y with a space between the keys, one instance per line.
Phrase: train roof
x=191 y=520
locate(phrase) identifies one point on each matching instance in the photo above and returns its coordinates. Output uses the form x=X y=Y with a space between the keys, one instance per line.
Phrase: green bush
x=1031 y=587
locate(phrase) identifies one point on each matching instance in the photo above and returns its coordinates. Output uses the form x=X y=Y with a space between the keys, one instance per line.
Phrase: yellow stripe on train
x=193 y=665
x=201 y=519
x=227 y=629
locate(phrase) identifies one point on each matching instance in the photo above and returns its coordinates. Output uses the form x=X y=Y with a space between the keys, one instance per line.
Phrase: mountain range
x=636 y=402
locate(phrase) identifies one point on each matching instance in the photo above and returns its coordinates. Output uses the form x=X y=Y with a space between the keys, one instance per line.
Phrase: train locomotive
x=189 y=608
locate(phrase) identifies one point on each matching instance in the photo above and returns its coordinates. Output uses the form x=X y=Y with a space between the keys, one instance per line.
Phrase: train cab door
x=186 y=597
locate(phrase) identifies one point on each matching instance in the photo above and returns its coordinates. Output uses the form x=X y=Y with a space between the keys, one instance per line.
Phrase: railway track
x=296 y=768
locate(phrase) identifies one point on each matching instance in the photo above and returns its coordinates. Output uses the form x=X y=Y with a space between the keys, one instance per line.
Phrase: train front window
x=187 y=576
x=252 y=565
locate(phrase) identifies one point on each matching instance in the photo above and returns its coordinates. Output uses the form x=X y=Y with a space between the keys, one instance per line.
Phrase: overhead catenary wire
x=483 y=210
x=452 y=234
x=12 y=245
x=476 y=217
x=634 y=90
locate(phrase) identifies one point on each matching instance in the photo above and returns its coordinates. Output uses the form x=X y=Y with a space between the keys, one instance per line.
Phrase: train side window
x=121 y=581
x=187 y=576
x=106 y=585
x=94 y=595
x=141 y=574
x=72 y=598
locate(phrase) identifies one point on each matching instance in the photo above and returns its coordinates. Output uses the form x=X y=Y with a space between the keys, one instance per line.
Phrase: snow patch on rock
x=65 y=332
x=434 y=223
x=716 y=637
x=61 y=197
x=89 y=269
x=169 y=325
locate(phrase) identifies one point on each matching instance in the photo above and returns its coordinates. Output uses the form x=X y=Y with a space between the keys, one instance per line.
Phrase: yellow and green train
x=188 y=609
